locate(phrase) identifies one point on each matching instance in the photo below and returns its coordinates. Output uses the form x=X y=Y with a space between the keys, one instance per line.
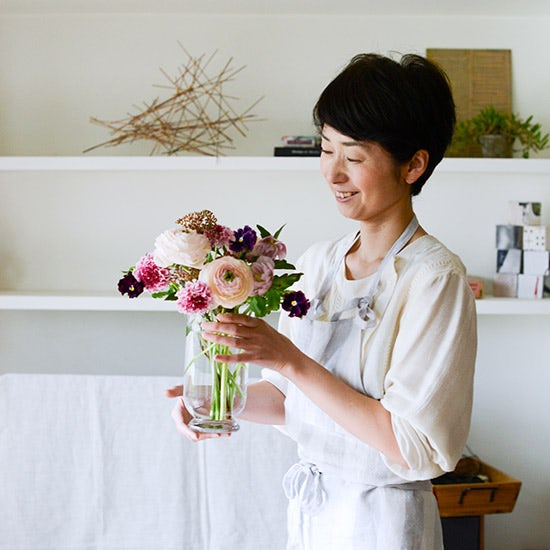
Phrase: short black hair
x=403 y=106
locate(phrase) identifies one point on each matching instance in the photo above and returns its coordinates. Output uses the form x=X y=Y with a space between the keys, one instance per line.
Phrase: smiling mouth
x=344 y=194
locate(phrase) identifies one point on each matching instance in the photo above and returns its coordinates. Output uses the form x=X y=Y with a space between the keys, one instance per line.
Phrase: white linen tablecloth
x=94 y=463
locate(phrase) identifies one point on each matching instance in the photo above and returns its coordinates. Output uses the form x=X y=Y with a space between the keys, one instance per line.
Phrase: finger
x=181 y=416
x=176 y=391
x=230 y=329
x=238 y=318
x=234 y=358
x=215 y=327
x=222 y=339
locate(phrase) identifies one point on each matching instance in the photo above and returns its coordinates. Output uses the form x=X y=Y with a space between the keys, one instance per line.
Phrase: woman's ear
x=416 y=166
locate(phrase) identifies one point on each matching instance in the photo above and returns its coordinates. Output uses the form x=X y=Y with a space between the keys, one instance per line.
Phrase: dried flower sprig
x=201 y=222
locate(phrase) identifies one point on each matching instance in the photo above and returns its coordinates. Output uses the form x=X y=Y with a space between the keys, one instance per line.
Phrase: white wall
x=58 y=70
x=75 y=231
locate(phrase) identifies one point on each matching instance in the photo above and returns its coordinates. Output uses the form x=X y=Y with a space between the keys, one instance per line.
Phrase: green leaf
x=258 y=306
x=278 y=232
x=283 y=264
x=263 y=231
x=282 y=282
x=264 y=305
x=169 y=295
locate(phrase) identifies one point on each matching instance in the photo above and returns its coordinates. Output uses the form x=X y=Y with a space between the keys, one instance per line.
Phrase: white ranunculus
x=178 y=247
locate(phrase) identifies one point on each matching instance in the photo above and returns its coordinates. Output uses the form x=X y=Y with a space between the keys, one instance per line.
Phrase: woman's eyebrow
x=351 y=143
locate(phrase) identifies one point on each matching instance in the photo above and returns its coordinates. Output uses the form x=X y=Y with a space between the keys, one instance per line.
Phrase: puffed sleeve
x=429 y=385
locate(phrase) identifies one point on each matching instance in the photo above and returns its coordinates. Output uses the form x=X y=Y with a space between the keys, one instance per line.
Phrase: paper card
x=509 y=236
x=509 y=261
x=536 y=237
x=530 y=286
x=524 y=213
x=536 y=262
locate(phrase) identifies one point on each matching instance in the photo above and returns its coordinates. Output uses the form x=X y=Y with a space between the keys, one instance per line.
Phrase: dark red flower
x=296 y=304
x=130 y=285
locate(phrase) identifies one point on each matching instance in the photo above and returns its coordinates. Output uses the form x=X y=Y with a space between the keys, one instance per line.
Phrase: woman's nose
x=333 y=170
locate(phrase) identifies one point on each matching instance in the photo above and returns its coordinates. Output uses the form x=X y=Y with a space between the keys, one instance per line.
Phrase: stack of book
x=299 y=146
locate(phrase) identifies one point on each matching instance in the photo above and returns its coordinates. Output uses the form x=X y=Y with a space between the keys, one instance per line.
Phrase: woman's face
x=366 y=182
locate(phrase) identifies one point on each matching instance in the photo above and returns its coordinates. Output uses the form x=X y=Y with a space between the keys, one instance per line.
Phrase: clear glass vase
x=213 y=392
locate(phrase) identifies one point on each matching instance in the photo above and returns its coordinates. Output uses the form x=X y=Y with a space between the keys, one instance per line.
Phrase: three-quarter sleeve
x=428 y=387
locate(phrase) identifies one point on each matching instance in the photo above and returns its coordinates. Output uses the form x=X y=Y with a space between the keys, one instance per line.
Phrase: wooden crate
x=496 y=496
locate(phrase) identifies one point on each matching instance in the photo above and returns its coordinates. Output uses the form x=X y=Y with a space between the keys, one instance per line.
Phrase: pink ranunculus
x=271 y=247
x=195 y=298
x=229 y=279
x=182 y=248
x=262 y=271
x=153 y=277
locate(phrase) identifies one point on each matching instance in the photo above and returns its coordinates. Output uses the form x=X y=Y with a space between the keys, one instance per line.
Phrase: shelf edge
x=204 y=163
x=64 y=302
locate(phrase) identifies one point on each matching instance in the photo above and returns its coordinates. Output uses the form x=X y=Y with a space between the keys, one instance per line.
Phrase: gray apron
x=338 y=475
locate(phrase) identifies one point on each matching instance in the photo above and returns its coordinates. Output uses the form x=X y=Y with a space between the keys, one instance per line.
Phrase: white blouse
x=419 y=358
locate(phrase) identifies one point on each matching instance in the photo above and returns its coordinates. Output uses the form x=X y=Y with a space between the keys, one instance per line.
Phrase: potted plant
x=497 y=131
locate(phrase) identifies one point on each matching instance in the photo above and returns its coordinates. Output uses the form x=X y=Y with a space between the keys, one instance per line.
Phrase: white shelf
x=487 y=165
x=512 y=306
x=76 y=302
x=110 y=302
x=262 y=164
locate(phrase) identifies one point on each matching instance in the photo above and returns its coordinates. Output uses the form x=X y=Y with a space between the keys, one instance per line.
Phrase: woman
x=375 y=385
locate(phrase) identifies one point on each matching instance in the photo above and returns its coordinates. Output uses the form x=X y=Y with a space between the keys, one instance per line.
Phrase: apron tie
x=303 y=481
x=365 y=317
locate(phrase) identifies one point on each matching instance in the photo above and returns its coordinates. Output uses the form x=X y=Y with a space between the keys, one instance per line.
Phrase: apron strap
x=365 y=317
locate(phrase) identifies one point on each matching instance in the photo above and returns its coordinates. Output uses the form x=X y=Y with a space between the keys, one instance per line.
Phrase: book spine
x=300 y=141
x=297 y=151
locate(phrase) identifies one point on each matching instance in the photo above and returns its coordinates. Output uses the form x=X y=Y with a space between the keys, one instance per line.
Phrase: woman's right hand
x=182 y=417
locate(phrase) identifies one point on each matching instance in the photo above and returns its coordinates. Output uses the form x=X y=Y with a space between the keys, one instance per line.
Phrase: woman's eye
x=352 y=159
x=326 y=151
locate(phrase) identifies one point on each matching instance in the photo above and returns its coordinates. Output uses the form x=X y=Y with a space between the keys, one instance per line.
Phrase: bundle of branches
x=196 y=118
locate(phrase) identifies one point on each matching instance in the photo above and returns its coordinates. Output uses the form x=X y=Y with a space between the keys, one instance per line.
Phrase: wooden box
x=496 y=496
x=479 y=78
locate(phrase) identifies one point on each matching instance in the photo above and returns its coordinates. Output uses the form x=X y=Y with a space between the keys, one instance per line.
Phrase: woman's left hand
x=258 y=341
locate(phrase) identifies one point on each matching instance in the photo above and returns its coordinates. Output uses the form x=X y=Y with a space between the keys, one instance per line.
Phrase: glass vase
x=213 y=392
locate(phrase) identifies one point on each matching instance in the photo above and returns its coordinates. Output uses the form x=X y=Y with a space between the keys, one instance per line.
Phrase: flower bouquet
x=206 y=269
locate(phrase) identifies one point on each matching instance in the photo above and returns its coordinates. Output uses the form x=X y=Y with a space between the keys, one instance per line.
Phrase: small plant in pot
x=498 y=131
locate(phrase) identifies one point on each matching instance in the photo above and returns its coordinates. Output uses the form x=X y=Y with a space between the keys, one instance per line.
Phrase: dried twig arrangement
x=197 y=118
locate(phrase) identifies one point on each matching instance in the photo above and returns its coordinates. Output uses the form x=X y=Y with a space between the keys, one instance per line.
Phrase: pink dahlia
x=153 y=277
x=195 y=298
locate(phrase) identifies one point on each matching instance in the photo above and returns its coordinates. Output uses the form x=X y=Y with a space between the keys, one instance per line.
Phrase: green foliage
x=261 y=306
x=489 y=121
x=265 y=233
x=168 y=295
